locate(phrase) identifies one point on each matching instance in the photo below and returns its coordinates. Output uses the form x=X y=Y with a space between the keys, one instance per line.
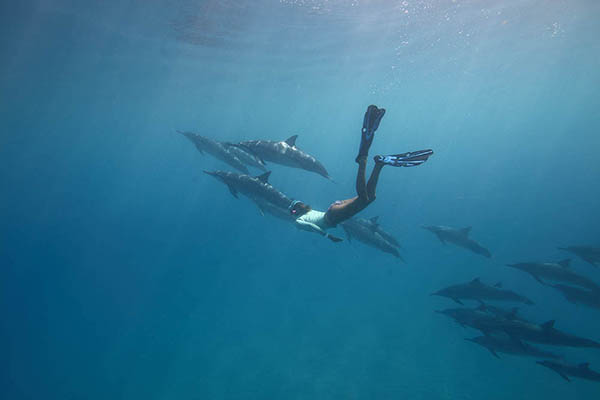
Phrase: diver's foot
x=410 y=159
x=370 y=124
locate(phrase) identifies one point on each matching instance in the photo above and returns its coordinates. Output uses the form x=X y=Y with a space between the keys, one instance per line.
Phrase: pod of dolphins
x=503 y=330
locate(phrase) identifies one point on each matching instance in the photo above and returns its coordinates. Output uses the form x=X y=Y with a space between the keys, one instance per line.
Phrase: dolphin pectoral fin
x=565 y=377
x=262 y=212
x=291 y=141
x=494 y=353
x=548 y=324
x=233 y=192
x=458 y=301
x=441 y=239
x=537 y=278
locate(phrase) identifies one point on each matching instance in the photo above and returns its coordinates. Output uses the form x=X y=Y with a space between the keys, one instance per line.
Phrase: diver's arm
x=309 y=226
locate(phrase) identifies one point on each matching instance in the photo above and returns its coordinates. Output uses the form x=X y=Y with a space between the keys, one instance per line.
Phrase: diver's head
x=298 y=208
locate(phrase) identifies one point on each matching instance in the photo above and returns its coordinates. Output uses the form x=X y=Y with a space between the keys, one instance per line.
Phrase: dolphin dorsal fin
x=498 y=285
x=548 y=324
x=264 y=177
x=584 y=365
x=565 y=263
x=466 y=231
x=475 y=281
x=292 y=140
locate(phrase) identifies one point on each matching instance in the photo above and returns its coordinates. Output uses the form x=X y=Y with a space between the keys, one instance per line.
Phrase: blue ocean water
x=128 y=273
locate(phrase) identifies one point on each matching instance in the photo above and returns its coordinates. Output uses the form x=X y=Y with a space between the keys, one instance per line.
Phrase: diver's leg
x=342 y=210
x=345 y=209
x=372 y=184
x=361 y=178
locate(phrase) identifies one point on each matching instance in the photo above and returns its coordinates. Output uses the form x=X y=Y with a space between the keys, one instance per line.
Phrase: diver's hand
x=334 y=239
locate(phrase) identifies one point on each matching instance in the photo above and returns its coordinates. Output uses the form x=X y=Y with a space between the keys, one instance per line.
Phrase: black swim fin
x=370 y=124
x=410 y=159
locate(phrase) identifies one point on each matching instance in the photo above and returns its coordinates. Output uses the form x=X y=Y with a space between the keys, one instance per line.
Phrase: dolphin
x=476 y=290
x=247 y=158
x=284 y=153
x=505 y=344
x=366 y=233
x=575 y=295
x=374 y=225
x=565 y=370
x=500 y=312
x=517 y=329
x=256 y=188
x=586 y=253
x=458 y=237
x=215 y=149
x=555 y=272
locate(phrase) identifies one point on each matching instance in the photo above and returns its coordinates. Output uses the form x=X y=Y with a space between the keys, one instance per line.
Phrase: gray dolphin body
x=507 y=345
x=215 y=149
x=458 y=237
x=373 y=224
x=247 y=158
x=575 y=295
x=476 y=290
x=364 y=231
x=499 y=312
x=588 y=254
x=517 y=329
x=284 y=153
x=565 y=370
x=257 y=188
x=555 y=272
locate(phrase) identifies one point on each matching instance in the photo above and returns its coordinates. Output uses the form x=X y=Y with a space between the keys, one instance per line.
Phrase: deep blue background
x=127 y=273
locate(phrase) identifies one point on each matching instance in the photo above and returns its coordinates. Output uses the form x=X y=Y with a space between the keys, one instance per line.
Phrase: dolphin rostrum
x=476 y=290
x=458 y=237
x=588 y=254
x=284 y=153
x=565 y=370
x=505 y=344
x=559 y=272
x=256 y=188
x=364 y=231
x=589 y=298
x=215 y=149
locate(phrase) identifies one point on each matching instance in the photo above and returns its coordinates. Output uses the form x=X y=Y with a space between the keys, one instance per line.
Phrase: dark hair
x=299 y=209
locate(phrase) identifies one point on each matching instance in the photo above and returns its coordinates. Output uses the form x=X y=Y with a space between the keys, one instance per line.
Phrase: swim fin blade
x=410 y=159
x=371 y=121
